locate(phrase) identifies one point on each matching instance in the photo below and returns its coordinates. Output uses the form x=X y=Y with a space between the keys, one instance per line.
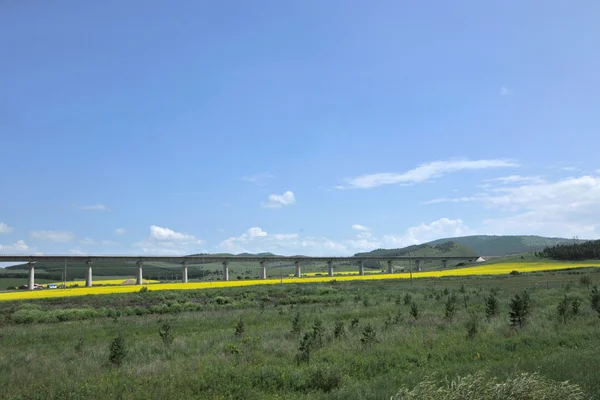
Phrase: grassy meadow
x=342 y=339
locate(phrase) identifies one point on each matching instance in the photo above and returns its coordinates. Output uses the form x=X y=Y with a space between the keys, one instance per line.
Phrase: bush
x=369 y=336
x=491 y=307
x=143 y=289
x=407 y=299
x=297 y=323
x=450 y=309
x=586 y=280
x=414 y=310
x=166 y=333
x=520 y=306
x=240 y=327
x=514 y=272
x=478 y=386
x=563 y=309
x=472 y=327
x=117 y=351
x=339 y=330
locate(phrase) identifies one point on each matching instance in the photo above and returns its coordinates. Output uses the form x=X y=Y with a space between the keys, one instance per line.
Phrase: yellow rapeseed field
x=492 y=269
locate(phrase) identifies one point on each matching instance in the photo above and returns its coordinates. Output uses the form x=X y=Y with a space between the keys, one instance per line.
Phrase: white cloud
x=563 y=208
x=165 y=234
x=450 y=200
x=361 y=228
x=517 y=179
x=570 y=169
x=5 y=228
x=120 y=231
x=504 y=91
x=256 y=232
x=17 y=247
x=87 y=241
x=259 y=179
x=53 y=236
x=423 y=173
x=167 y=241
x=255 y=240
x=422 y=233
x=279 y=200
x=95 y=207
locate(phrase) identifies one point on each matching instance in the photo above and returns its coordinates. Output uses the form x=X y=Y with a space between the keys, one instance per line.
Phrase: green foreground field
x=243 y=343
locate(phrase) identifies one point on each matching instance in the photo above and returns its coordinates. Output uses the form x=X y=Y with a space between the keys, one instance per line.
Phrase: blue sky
x=317 y=128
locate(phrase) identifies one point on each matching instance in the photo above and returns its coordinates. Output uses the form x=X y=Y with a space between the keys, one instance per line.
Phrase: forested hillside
x=589 y=250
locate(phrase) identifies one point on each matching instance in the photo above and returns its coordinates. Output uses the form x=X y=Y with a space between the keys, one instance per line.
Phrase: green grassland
x=242 y=343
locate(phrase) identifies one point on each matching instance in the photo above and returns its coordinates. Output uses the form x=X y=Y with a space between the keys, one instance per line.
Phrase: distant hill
x=446 y=248
x=491 y=245
x=483 y=245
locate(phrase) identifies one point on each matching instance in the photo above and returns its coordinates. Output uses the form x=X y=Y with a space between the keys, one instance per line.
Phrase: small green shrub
x=491 y=307
x=143 y=289
x=240 y=327
x=472 y=326
x=117 y=351
x=407 y=299
x=339 y=330
x=595 y=300
x=297 y=323
x=369 y=335
x=166 y=333
x=450 y=308
x=414 y=310
x=519 y=309
x=586 y=280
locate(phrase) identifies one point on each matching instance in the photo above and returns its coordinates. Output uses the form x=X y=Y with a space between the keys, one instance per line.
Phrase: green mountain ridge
x=481 y=245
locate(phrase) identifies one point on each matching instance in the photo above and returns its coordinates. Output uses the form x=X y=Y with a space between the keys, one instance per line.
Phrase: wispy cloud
x=562 y=207
x=517 y=179
x=17 y=247
x=4 y=228
x=504 y=91
x=570 y=169
x=361 y=228
x=95 y=207
x=53 y=236
x=120 y=231
x=450 y=200
x=423 y=173
x=163 y=240
x=280 y=200
x=259 y=179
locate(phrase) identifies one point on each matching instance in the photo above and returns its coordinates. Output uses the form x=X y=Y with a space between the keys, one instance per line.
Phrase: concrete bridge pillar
x=184 y=276
x=444 y=263
x=263 y=270
x=330 y=268
x=361 y=268
x=390 y=267
x=31 y=277
x=88 y=276
x=138 y=280
x=418 y=265
x=225 y=270
x=298 y=273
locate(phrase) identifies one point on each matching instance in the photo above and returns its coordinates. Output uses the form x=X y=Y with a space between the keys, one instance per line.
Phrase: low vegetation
x=336 y=340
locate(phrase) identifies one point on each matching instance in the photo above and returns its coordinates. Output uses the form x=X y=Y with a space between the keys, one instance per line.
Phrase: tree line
x=573 y=252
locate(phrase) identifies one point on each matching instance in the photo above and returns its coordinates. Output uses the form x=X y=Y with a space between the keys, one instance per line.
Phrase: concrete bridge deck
x=31 y=260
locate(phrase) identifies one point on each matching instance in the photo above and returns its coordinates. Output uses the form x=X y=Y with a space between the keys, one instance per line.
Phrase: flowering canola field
x=492 y=269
